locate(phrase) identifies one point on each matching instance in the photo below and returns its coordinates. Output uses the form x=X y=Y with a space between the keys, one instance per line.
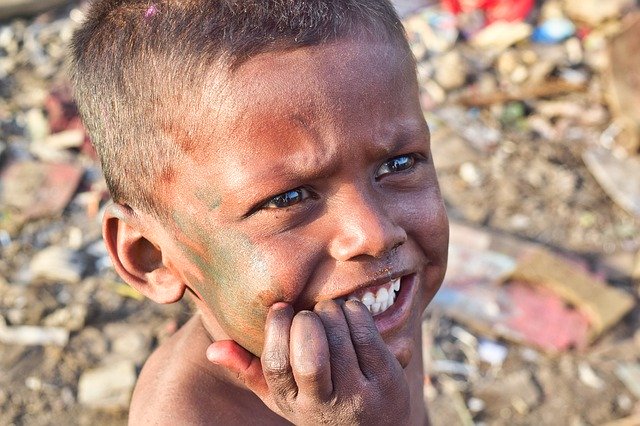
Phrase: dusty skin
x=309 y=179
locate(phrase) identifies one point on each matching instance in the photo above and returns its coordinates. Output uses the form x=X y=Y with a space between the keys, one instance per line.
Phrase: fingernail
x=278 y=306
x=211 y=355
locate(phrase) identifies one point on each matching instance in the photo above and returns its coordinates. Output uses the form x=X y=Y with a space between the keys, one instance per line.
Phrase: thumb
x=242 y=363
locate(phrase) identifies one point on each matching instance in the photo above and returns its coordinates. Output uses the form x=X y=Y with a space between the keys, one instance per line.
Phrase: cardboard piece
x=603 y=305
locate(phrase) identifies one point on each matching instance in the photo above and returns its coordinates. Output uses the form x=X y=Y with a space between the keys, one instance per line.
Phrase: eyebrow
x=293 y=169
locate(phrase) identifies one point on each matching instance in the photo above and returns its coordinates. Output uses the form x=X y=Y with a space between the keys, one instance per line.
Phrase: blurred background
x=534 y=110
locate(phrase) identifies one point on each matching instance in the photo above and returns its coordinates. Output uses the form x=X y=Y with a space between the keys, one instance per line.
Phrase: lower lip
x=399 y=312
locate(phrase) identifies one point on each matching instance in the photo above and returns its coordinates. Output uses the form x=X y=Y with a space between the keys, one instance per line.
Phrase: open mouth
x=379 y=299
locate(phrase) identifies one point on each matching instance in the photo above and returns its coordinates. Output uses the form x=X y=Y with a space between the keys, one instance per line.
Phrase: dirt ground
x=511 y=168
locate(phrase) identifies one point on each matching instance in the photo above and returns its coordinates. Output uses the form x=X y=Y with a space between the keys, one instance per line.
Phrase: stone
x=516 y=391
x=37 y=125
x=38 y=190
x=619 y=177
x=451 y=70
x=507 y=63
x=589 y=377
x=501 y=35
x=595 y=12
x=129 y=342
x=11 y=8
x=109 y=386
x=629 y=374
x=407 y=7
x=449 y=150
x=30 y=335
x=492 y=352
x=623 y=88
x=71 y=317
x=57 y=263
x=433 y=30
x=470 y=174
x=72 y=138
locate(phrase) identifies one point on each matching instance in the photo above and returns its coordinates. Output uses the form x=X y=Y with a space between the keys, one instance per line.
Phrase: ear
x=136 y=257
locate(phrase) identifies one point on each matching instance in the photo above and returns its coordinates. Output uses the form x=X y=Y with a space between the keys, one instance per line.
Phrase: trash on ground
x=57 y=263
x=109 y=386
x=33 y=190
x=31 y=335
x=619 y=177
x=601 y=303
x=623 y=92
x=629 y=374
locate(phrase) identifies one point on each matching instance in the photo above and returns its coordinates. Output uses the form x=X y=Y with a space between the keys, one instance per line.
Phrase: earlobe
x=135 y=256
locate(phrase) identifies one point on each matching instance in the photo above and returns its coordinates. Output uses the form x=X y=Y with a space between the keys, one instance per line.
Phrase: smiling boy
x=269 y=158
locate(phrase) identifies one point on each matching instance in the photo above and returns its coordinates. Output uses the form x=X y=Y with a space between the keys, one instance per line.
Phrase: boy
x=269 y=158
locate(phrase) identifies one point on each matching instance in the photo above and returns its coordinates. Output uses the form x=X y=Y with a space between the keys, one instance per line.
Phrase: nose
x=364 y=229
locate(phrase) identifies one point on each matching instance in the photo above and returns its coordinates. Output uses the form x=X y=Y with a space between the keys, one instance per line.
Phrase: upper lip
x=374 y=283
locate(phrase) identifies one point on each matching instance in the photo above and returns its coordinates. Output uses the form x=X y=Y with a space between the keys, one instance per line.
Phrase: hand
x=329 y=366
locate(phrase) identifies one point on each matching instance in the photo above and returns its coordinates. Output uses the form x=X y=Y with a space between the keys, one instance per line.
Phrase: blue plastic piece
x=553 y=31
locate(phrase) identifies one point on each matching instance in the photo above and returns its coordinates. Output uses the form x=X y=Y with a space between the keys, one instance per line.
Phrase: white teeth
x=368 y=299
x=382 y=300
x=382 y=295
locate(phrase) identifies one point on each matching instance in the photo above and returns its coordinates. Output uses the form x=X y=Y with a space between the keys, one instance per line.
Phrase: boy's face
x=314 y=181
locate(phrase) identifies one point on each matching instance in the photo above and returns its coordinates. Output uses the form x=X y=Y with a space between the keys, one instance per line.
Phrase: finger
x=341 y=351
x=310 y=359
x=373 y=355
x=275 y=354
x=242 y=363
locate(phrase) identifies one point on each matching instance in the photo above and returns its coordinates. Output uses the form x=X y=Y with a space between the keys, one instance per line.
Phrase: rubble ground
x=534 y=126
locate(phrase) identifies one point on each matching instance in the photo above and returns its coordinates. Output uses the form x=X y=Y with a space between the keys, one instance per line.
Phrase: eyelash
x=283 y=201
x=303 y=194
x=413 y=160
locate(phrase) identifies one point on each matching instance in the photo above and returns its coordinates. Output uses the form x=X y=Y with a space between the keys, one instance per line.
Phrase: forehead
x=297 y=101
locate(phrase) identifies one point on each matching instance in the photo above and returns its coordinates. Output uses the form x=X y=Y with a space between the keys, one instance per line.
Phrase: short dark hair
x=136 y=63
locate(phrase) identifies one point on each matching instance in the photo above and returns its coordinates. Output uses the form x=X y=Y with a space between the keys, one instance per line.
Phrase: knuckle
x=310 y=375
x=339 y=339
x=275 y=364
x=363 y=336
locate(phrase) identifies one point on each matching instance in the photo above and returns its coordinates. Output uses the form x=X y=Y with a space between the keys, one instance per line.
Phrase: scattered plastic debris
x=109 y=386
x=629 y=374
x=30 y=335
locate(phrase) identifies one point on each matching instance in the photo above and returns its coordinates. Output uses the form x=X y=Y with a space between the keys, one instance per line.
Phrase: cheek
x=229 y=273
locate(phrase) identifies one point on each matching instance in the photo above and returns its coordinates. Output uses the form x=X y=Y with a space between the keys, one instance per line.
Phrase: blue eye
x=395 y=165
x=287 y=199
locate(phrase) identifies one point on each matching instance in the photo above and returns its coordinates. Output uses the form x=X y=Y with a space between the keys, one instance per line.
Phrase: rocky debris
x=531 y=110
x=129 y=342
x=629 y=374
x=57 y=263
x=516 y=391
x=109 y=386
x=619 y=177
x=33 y=190
x=32 y=335
x=624 y=82
x=11 y=8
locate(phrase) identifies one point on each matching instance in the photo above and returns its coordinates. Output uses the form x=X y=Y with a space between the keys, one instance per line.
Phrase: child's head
x=263 y=151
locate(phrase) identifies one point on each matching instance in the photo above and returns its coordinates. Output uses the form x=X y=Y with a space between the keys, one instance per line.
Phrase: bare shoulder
x=179 y=386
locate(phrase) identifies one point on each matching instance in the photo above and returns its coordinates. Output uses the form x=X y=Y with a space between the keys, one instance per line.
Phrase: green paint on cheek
x=209 y=198
x=234 y=273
